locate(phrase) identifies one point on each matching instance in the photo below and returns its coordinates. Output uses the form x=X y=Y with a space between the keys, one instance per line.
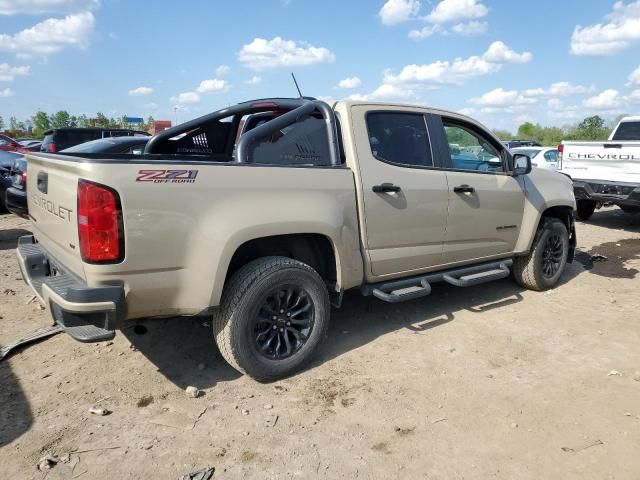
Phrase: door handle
x=386 y=188
x=464 y=189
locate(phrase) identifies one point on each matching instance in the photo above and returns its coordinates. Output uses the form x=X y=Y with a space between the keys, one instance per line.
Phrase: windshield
x=94 y=146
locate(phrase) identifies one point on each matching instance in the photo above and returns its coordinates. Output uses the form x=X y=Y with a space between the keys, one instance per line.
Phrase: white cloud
x=468 y=111
x=186 y=97
x=398 y=11
x=35 y=7
x=151 y=105
x=555 y=104
x=50 y=36
x=350 y=82
x=141 y=91
x=634 y=78
x=213 y=85
x=414 y=78
x=7 y=92
x=502 y=98
x=620 y=30
x=500 y=53
x=559 y=89
x=222 y=70
x=454 y=10
x=9 y=73
x=470 y=28
x=253 y=80
x=263 y=54
x=607 y=100
x=634 y=97
x=426 y=32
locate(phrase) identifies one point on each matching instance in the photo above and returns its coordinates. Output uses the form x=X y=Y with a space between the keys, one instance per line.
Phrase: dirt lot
x=485 y=382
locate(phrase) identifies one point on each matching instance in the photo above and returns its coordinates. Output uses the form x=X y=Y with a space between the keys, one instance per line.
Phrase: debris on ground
x=614 y=373
x=193 y=392
x=204 y=474
x=31 y=337
x=583 y=446
x=179 y=416
x=47 y=462
x=31 y=299
x=598 y=258
x=9 y=291
x=636 y=376
x=101 y=412
x=268 y=406
x=438 y=420
x=245 y=411
x=145 y=401
x=271 y=421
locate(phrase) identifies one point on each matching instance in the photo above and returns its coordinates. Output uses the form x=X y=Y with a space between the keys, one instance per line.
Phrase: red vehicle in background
x=8 y=144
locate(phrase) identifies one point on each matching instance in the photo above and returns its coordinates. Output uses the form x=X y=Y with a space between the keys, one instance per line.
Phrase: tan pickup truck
x=264 y=213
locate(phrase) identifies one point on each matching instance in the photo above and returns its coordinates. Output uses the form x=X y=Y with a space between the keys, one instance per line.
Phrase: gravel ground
x=486 y=382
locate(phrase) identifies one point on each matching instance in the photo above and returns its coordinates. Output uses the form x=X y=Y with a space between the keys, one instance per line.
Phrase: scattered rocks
x=271 y=421
x=101 y=412
x=204 y=474
x=193 y=392
x=145 y=401
x=614 y=373
x=245 y=411
x=598 y=258
x=636 y=376
x=47 y=462
x=9 y=291
x=268 y=406
x=514 y=425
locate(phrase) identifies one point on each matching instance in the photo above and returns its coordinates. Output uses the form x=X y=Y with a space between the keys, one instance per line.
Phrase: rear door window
x=400 y=138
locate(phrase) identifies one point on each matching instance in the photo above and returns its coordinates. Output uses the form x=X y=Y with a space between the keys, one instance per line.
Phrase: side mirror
x=522 y=164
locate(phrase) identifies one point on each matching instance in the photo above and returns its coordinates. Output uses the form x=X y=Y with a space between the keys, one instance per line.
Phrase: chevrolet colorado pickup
x=605 y=172
x=262 y=214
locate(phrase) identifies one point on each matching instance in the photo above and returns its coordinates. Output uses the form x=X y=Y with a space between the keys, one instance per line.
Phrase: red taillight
x=561 y=148
x=99 y=223
x=52 y=148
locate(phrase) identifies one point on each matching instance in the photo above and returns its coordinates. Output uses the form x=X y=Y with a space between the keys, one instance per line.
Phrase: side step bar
x=404 y=289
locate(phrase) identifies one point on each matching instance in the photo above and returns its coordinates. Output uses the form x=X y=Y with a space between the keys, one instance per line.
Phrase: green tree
x=82 y=121
x=41 y=123
x=592 y=128
x=61 y=119
x=528 y=131
x=502 y=134
x=101 y=120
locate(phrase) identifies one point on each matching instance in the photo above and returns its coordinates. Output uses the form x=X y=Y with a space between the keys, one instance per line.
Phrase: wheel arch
x=317 y=250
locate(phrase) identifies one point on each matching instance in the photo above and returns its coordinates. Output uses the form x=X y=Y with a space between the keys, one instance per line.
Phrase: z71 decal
x=167 y=176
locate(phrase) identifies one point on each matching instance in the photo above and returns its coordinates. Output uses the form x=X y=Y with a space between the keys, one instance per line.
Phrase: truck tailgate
x=52 y=184
x=611 y=161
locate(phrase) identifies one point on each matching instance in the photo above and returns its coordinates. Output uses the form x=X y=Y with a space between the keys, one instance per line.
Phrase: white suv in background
x=541 y=157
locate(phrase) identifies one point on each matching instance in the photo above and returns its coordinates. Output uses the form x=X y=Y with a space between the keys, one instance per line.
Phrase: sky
x=501 y=61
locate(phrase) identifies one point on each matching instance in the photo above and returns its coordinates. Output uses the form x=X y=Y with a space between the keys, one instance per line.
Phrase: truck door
x=486 y=203
x=402 y=192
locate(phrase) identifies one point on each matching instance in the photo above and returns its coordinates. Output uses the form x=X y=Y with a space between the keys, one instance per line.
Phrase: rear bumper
x=603 y=191
x=16 y=201
x=87 y=314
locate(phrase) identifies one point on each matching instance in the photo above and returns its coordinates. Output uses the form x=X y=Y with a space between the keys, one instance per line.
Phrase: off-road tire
x=528 y=270
x=242 y=296
x=585 y=209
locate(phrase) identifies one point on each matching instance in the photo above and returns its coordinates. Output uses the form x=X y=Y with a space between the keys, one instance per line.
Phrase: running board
x=404 y=289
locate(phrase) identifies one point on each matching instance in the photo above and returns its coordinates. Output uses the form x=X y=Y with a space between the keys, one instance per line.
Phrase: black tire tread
x=524 y=267
x=234 y=291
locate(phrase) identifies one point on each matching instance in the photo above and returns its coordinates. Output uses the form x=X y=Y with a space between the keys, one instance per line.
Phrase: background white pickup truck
x=605 y=172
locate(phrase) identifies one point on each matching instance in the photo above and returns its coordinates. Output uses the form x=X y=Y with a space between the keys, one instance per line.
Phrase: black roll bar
x=299 y=108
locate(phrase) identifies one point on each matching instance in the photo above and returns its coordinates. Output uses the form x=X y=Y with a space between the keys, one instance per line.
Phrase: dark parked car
x=6 y=162
x=521 y=143
x=16 y=195
x=59 y=139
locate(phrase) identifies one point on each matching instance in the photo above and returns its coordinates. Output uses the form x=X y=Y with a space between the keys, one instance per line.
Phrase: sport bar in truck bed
x=294 y=110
